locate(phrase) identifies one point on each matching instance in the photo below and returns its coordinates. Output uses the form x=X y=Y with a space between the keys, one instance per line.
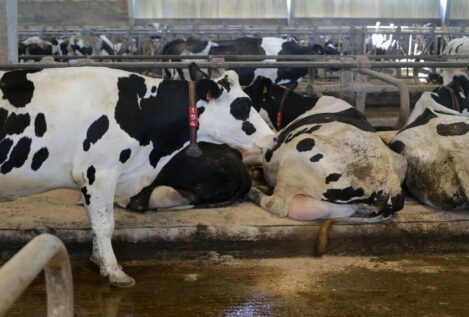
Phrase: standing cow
x=109 y=133
x=435 y=142
x=246 y=46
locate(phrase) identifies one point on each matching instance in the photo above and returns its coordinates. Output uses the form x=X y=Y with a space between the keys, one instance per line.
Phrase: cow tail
x=320 y=246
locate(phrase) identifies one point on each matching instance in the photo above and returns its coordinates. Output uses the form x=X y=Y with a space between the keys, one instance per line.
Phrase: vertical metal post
x=9 y=33
x=131 y=12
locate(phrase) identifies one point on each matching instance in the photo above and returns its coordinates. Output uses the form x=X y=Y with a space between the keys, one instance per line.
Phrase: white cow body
x=435 y=143
x=331 y=163
x=109 y=133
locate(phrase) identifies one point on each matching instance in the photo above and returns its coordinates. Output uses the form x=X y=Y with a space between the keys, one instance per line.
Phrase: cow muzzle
x=265 y=143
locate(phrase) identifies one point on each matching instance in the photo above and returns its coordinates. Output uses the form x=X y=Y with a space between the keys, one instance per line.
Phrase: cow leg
x=275 y=204
x=306 y=208
x=98 y=200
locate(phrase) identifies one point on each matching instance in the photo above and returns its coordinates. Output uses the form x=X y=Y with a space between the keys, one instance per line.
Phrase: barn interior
x=241 y=260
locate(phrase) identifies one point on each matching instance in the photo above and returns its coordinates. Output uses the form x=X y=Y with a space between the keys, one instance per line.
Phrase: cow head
x=228 y=115
x=457 y=96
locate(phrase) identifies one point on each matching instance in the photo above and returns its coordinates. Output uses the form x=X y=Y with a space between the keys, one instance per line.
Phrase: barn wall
x=459 y=10
x=367 y=9
x=72 y=13
x=186 y=9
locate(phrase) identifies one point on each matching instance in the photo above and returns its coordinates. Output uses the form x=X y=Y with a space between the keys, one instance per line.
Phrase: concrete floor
x=243 y=228
x=404 y=285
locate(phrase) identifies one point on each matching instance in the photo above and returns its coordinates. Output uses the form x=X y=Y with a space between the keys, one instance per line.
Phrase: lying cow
x=216 y=178
x=109 y=133
x=435 y=142
x=455 y=95
x=329 y=162
x=459 y=46
x=246 y=46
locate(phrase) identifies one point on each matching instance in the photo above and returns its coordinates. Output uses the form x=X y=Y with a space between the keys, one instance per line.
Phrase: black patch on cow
x=225 y=83
x=248 y=128
x=86 y=196
x=305 y=145
x=446 y=113
x=291 y=48
x=397 y=203
x=18 y=155
x=268 y=155
x=16 y=88
x=5 y=146
x=397 y=146
x=40 y=126
x=3 y=119
x=125 y=155
x=38 y=158
x=316 y=157
x=96 y=131
x=452 y=129
x=153 y=89
x=334 y=177
x=161 y=119
x=240 y=108
x=309 y=130
x=344 y=194
x=424 y=118
x=457 y=47
x=16 y=123
x=91 y=174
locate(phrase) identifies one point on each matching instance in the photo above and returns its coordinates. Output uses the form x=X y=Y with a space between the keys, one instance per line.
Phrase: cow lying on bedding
x=109 y=133
x=329 y=162
x=435 y=142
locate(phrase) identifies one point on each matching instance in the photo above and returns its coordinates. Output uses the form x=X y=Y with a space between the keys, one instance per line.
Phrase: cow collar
x=193 y=149
x=282 y=106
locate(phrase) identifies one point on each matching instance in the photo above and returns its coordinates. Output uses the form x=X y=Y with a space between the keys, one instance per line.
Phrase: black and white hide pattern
x=216 y=178
x=459 y=46
x=455 y=95
x=109 y=133
x=329 y=162
x=245 y=46
x=435 y=142
x=266 y=98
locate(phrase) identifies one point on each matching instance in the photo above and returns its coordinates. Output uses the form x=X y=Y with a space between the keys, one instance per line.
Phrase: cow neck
x=285 y=94
x=454 y=99
x=193 y=149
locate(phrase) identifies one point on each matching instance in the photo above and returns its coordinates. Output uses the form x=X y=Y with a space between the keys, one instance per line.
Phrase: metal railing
x=43 y=252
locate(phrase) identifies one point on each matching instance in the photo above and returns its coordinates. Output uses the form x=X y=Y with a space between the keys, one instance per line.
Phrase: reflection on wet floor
x=432 y=285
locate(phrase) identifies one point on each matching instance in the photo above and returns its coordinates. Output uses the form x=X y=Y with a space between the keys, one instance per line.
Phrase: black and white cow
x=216 y=178
x=267 y=100
x=455 y=95
x=329 y=163
x=435 y=142
x=109 y=133
x=459 y=46
x=245 y=46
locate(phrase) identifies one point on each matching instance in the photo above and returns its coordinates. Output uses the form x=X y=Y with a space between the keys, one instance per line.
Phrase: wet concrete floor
x=406 y=285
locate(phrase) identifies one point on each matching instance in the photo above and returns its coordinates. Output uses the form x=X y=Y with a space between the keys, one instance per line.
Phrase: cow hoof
x=121 y=280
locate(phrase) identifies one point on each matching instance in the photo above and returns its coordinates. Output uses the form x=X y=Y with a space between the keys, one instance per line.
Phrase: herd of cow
x=120 y=137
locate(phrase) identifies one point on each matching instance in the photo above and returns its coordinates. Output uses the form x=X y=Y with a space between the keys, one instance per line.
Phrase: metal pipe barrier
x=231 y=65
x=247 y=57
x=404 y=109
x=43 y=252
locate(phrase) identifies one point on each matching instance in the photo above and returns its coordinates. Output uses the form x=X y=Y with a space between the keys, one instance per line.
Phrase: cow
x=435 y=142
x=109 y=133
x=276 y=104
x=455 y=95
x=216 y=178
x=459 y=46
x=329 y=163
x=245 y=46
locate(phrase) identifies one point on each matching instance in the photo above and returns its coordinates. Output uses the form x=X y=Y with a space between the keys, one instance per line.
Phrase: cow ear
x=207 y=90
x=196 y=73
